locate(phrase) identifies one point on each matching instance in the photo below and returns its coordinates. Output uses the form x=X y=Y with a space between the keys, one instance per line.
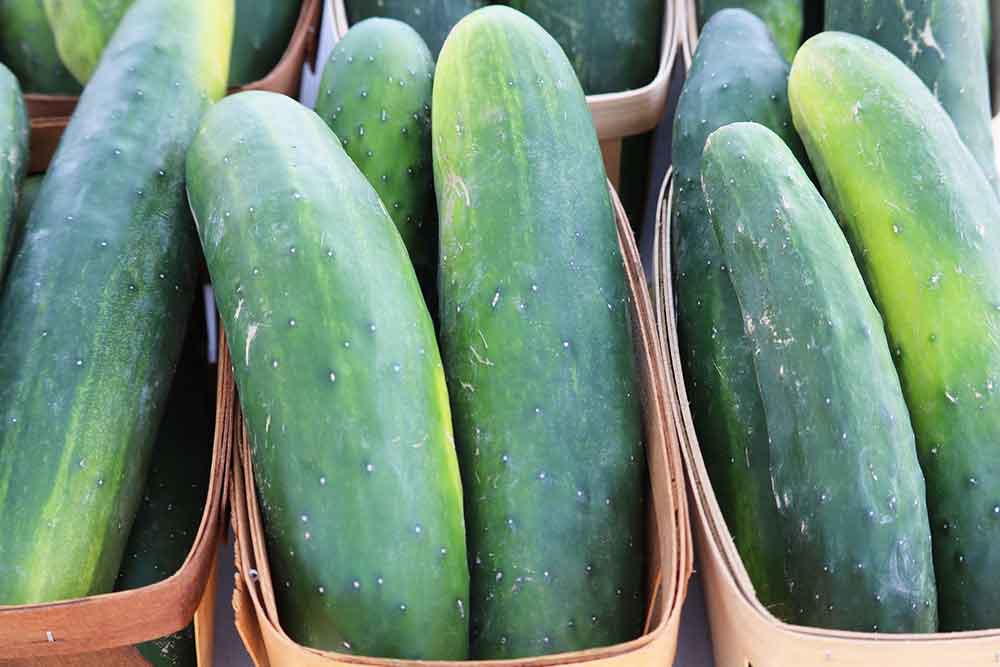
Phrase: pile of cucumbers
x=467 y=483
x=835 y=237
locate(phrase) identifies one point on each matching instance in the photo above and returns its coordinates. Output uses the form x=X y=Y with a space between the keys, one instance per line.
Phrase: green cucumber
x=82 y=29
x=176 y=490
x=926 y=243
x=785 y=18
x=844 y=469
x=93 y=312
x=263 y=31
x=433 y=19
x=29 y=193
x=376 y=97
x=613 y=46
x=982 y=9
x=14 y=156
x=341 y=385
x=737 y=74
x=536 y=340
x=941 y=41
x=28 y=48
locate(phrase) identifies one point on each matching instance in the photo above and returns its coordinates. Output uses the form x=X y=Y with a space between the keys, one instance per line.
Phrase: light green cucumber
x=920 y=217
x=28 y=48
x=82 y=29
x=341 y=385
x=93 y=313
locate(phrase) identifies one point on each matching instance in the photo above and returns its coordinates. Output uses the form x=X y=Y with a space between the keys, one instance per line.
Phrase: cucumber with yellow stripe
x=93 y=312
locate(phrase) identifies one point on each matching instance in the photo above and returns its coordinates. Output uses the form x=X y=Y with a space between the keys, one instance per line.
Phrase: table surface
x=694 y=648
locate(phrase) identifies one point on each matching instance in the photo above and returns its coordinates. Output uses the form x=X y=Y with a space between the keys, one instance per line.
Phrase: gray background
x=694 y=649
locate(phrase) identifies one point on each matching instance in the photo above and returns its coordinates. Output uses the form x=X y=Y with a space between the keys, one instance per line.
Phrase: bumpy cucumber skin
x=784 y=18
x=613 y=46
x=93 y=312
x=263 y=30
x=941 y=41
x=927 y=247
x=14 y=129
x=737 y=74
x=28 y=48
x=433 y=19
x=341 y=384
x=376 y=97
x=176 y=489
x=82 y=29
x=536 y=338
x=844 y=468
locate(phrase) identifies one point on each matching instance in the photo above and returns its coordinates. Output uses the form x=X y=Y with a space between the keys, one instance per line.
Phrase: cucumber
x=28 y=48
x=341 y=385
x=785 y=18
x=737 y=74
x=927 y=247
x=941 y=41
x=613 y=46
x=433 y=19
x=14 y=156
x=263 y=30
x=29 y=193
x=175 y=492
x=376 y=97
x=82 y=29
x=536 y=340
x=844 y=468
x=982 y=8
x=93 y=312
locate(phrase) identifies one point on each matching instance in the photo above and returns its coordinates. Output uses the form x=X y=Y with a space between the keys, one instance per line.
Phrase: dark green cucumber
x=28 y=48
x=613 y=46
x=82 y=29
x=341 y=385
x=93 y=312
x=176 y=490
x=433 y=19
x=784 y=18
x=737 y=75
x=14 y=158
x=940 y=40
x=921 y=221
x=536 y=339
x=844 y=470
x=376 y=97
x=263 y=30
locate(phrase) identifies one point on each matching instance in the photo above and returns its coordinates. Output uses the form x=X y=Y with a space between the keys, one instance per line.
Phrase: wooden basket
x=616 y=115
x=102 y=630
x=744 y=632
x=257 y=616
x=50 y=113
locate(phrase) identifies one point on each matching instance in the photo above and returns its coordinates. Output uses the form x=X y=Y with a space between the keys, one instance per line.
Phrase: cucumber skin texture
x=14 y=156
x=433 y=19
x=263 y=30
x=613 y=46
x=29 y=193
x=375 y=95
x=943 y=325
x=82 y=28
x=942 y=43
x=176 y=490
x=737 y=74
x=68 y=354
x=537 y=346
x=28 y=48
x=858 y=550
x=784 y=18
x=353 y=422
